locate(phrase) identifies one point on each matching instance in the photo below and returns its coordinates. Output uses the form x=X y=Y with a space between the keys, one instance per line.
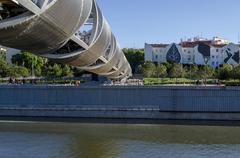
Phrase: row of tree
x=172 y=70
x=26 y=64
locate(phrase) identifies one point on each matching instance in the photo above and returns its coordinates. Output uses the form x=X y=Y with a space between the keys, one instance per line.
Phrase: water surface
x=73 y=140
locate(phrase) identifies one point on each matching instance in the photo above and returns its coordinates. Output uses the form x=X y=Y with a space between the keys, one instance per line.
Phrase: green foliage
x=161 y=71
x=22 y=71
x=173 y=70
x=178 y=74
x=40 y=66
x=4 y=69
x=206 y=72
x=135 y=58
x=24 y=63
x=3 y=55
x=236 y=72
x=157 y=81
x=17 y=71
x=176 y=71
x=53 y=71
x=149 y=69
x=29 y=61
x=67 y=71
x=225 y=72
x=194 y=71
x=168 y=65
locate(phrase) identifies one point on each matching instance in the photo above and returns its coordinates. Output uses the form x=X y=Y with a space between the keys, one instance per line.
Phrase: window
x=189 y=52
x=213 y=56
x=216 y=50
x=213 y=63
x=156 y=56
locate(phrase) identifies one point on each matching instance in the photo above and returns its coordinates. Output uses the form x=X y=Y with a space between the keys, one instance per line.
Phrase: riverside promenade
x=121 y=102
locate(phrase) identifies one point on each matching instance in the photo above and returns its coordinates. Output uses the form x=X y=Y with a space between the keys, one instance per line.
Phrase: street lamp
x=33 y=62
x=206 y=59
x=234 y=72
x=191 y=63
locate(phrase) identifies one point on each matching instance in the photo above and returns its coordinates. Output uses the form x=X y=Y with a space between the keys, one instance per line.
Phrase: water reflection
x=62 y=140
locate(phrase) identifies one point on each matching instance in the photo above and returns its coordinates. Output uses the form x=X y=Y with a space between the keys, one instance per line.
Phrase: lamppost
x=191 y=63
x=206 y=59
x=234 y=72
x=181 y=71
x=33 y=62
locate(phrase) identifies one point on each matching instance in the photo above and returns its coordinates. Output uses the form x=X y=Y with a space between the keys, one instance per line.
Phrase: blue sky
x=135 y=22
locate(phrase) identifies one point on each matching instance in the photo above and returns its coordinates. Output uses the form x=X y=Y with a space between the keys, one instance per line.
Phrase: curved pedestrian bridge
x=72 y=32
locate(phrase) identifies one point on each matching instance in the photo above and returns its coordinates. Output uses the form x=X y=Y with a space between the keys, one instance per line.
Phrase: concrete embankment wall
x=185 y=103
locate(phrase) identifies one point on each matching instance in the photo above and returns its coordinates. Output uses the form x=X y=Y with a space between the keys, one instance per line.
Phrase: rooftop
x=191 y=43
x=159 y=45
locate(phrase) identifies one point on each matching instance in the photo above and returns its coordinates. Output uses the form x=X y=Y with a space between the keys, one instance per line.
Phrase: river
x=74 y=140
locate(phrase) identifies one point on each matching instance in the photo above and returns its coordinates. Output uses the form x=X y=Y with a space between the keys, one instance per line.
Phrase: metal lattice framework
x=71 y=32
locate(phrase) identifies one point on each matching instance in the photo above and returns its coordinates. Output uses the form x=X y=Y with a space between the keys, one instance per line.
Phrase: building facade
x=214 y=53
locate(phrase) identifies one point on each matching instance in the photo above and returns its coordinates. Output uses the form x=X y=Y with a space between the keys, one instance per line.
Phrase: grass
x=164 y=81
x=45 y=81
x=169 y=81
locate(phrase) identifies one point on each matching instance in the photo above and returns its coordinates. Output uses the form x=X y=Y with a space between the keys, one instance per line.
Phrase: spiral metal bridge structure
x=72 y=32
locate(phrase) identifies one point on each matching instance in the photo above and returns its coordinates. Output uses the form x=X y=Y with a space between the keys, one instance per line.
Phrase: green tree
x=4 y=68
x=237 y=72
x=149 y=69
x=3 y=55
x=29 y=61
x=22 y=71
x=57 y=70
x=67 y=71
x=206 y=71
x=39 y=62
x=135 y=58
x=176 y=71
x=12 y=72
x=17 y=71
x=194 y=71
x=53 y=70
x=225 y=72
x=168 y=65
x=161 y=71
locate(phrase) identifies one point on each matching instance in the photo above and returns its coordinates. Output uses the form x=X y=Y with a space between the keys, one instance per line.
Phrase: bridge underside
x=71 y=32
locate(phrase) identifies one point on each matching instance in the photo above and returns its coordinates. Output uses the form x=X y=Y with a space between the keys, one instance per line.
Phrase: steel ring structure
x=72 y=32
